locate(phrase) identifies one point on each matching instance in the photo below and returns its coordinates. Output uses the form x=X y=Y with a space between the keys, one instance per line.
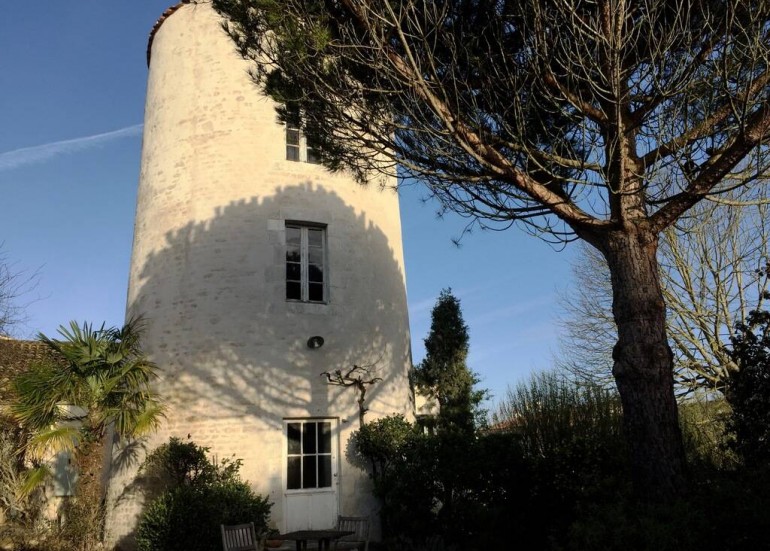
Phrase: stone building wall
x=208 y=275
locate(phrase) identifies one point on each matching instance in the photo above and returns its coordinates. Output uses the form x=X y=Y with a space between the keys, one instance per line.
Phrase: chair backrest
x=358 y=525
x=239 y=537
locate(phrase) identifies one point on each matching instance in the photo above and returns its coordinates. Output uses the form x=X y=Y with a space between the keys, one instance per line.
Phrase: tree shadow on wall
x=233 y=352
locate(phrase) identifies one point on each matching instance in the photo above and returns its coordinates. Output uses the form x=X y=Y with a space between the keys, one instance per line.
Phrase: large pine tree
x=604 y=120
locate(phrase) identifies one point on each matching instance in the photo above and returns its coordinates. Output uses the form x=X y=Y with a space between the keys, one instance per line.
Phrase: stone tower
x=256 y=270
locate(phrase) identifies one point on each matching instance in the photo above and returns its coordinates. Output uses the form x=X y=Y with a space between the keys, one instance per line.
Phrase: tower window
x=297 y=148
x=305 y=262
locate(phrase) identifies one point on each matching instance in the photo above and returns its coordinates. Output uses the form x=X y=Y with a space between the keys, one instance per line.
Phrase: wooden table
x=323 y=537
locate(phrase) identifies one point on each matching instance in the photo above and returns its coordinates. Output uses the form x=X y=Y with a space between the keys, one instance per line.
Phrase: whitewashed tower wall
x=208 y=274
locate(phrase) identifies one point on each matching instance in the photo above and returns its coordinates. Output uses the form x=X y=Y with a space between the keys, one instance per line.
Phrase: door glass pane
x=324 y=471
x=293 y=436
x=309 y=471
x=294 y=473
x=324 y=437
x=308 y=438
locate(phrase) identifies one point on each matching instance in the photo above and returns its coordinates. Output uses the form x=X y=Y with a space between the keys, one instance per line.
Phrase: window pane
x=316 y=292
x=292 y=115
x=324 y=437
x=293 y=290
x=309 y=471
x=292 y=153
x=315 y=256
x=292 y=255
x=315 y=237
x=308 y=438
x=315 y=273
x=312 y=156
x=324 y=471
x=294 y=473
x=293 y=236
x=293 y=272
x=292 y=136
x=293 y=435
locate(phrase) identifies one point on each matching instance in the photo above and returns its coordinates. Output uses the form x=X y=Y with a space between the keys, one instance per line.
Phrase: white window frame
x=302 y=147
x=332 y=454
x=305 y=263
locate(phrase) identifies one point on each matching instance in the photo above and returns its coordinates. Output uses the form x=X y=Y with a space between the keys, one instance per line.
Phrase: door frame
x=335 y=464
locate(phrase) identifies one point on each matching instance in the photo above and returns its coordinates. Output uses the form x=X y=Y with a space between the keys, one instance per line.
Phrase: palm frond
x=146 y=417
x=104 y=373
x=58 y=439
x=33 y=478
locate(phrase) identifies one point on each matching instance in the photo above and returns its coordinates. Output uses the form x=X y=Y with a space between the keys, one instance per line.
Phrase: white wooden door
x=310 y=474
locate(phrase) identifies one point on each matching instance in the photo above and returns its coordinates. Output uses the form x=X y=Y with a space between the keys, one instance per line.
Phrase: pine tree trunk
x=643 y=365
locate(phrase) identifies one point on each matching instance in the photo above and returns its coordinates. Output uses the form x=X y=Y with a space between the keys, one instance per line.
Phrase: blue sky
x=72 y=83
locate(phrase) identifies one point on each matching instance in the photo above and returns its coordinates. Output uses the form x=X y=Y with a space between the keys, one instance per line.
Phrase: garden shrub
x=555 y=476
x=748 y=389
x=561 y=445
x=199 y=495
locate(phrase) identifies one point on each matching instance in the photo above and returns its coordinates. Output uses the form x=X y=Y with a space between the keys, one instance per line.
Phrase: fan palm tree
x=102 y=380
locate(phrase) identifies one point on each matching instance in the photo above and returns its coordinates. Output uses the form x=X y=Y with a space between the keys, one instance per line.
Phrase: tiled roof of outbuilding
x=18 y=356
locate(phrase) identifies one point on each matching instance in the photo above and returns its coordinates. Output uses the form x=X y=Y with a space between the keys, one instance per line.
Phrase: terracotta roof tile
x=18 y=356
x=160 y=21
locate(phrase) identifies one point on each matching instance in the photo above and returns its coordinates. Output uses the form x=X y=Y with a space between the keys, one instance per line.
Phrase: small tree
x=444 y=374
x=103 y=380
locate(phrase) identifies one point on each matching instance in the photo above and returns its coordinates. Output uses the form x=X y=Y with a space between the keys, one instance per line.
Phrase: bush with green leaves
x=199 y=495
x=553 y=474
x=748 y=390
x=561 y=445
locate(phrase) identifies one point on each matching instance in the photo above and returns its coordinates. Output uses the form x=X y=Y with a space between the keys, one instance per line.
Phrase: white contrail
x=42 y=153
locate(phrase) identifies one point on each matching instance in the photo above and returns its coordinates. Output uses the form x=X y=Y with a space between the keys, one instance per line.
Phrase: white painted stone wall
x=208 y=275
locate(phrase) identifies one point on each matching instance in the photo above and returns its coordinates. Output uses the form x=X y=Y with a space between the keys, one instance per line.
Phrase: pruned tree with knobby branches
x=600 y=120
x=359 y=377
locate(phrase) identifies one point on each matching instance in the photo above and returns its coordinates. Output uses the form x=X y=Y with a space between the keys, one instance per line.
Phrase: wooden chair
x=239 y=537
x=360 y=537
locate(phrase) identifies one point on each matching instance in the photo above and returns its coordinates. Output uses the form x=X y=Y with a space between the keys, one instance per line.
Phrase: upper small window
x=305 y=262
x=296 y=143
